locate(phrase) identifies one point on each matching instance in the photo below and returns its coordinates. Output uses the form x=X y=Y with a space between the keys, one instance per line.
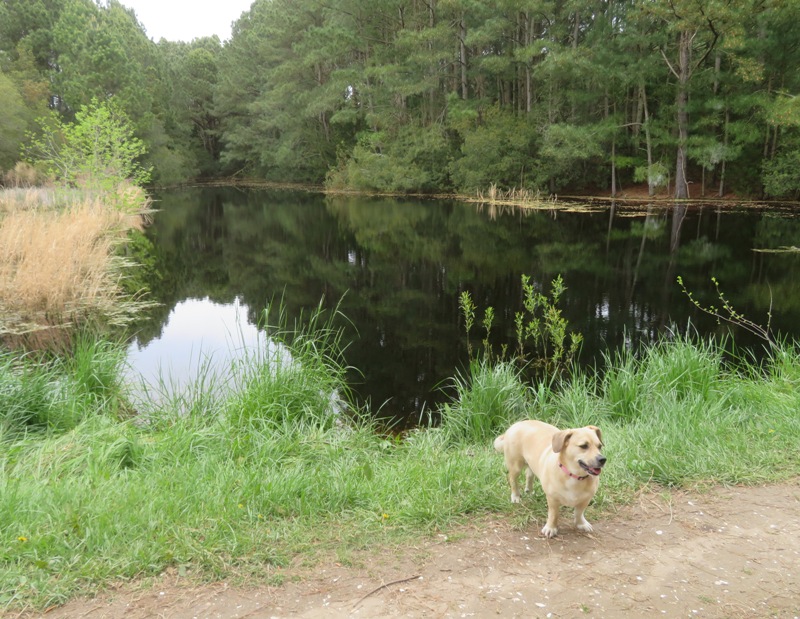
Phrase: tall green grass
x=283 y=468
x=489 y=397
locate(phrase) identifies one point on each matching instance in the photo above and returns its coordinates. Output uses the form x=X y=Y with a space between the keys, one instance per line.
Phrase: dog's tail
x=498 y=443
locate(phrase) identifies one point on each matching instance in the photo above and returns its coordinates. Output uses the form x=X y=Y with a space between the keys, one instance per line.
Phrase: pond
x=215 y=257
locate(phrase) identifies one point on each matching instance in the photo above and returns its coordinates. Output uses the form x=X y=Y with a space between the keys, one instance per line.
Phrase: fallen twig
x=385 y=585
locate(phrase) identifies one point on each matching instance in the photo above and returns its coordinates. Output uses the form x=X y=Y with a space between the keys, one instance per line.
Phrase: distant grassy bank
x=285 y=469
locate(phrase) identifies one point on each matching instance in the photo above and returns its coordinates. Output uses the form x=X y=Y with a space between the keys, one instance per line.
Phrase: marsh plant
x=524 y=198
x=493 y=391
x=59 y=265
x=543 y=338
x=297 y=375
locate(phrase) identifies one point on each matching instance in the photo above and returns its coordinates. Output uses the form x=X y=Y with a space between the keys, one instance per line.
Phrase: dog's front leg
x=550 y=528
x=580 y=521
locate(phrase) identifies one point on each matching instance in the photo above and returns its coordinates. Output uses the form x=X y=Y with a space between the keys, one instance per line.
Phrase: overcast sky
x=184 y=20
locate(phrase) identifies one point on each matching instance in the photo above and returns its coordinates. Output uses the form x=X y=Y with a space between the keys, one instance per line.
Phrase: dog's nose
x=601 y=460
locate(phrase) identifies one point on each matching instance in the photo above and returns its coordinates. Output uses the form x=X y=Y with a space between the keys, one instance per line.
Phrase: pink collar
x=566 y=470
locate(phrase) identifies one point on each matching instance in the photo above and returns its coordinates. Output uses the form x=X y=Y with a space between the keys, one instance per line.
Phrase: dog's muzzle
x=599 y=462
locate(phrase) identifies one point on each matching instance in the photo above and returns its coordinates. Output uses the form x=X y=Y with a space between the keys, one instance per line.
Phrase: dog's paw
x=549 y=531
x=515 y=498
x=585 y=527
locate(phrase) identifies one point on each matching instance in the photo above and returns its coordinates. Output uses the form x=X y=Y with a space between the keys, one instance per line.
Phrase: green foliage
x=782 y=174
x=97 y=152
x=299 y=380
x=545 y=327
x=488 y=399
x=94 y=366
x=565 y=150
x=12 y=123
x=27 y=397
x=185 y=140
x=677 y=370
x=413 y=161
x=656 y=175
x=541 y=330
x=497 y=151
x=46 y=393
x=26 y=27
x=467 y=307
x=728 y=313
x=102 y=52
x=427 y=98
x=87 y=504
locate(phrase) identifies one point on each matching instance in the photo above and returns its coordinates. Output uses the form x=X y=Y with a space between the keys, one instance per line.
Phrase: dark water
x=218 y=256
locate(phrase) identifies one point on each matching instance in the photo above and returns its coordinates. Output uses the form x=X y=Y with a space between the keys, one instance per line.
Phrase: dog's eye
x=585 y=446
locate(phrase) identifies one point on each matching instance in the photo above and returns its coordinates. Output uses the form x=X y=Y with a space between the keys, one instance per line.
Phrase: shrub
x=414 y=160
x=96 y=152
x=782 y=174
x=497 y=151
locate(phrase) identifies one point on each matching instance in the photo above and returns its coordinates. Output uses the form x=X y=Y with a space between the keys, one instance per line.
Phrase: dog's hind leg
x=513 y=480
x=529 y=479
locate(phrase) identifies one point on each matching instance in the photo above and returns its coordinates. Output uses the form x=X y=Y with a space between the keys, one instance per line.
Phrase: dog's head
x=580 y=449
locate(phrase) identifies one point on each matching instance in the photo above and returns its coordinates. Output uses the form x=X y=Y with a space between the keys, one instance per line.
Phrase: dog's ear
x=560 y=439
x=597 y=431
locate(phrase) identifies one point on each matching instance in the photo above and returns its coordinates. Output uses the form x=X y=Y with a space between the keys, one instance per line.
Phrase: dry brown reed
x=524 y=198
x=23 y=174
x=57 y=263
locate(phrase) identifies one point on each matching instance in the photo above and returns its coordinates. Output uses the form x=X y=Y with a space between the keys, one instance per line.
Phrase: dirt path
x=726 y=554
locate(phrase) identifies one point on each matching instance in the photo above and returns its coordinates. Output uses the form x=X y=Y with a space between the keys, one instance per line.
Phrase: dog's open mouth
x=589 y=469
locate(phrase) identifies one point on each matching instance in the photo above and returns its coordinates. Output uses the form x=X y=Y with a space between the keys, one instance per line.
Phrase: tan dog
x=568 y=464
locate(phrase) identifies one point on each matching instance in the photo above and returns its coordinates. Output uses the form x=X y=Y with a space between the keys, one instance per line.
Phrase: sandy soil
x=727 y=553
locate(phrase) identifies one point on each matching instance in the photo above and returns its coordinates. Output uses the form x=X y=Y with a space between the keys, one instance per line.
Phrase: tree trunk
x=766 y=136
x=433 y=91
x=703 y=183
x=529 y=26
x=681 y=102
x=648 y=144
x=725 y=145
x=575 y=30
x=613 y=167
x=613 y=151
x=463 y=56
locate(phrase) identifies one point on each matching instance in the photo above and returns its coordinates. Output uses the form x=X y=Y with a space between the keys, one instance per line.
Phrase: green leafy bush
x=782 y=174
x=414 y=160
x=497 y=151
x=97 y=152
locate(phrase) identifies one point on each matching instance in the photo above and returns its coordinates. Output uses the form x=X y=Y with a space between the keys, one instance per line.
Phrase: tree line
x=693 y=97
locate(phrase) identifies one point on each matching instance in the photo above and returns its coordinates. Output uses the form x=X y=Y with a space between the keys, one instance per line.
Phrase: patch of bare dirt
x=728 y=553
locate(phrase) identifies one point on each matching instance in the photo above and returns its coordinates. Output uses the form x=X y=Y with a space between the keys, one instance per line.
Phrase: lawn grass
x=284 y=469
